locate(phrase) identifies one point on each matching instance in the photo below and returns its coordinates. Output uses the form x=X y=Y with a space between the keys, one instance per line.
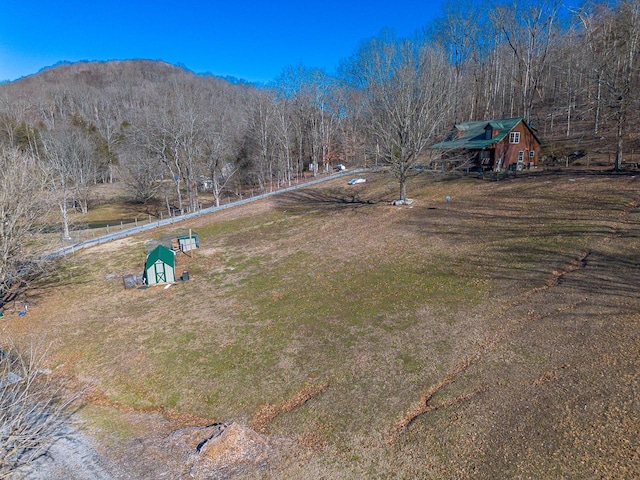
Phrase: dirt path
x=75 y=458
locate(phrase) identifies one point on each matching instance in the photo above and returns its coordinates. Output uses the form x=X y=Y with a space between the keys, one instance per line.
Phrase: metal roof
x=472 y=135
x=161 y=253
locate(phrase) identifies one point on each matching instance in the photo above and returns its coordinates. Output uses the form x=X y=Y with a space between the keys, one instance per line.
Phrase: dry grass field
x=494 y=336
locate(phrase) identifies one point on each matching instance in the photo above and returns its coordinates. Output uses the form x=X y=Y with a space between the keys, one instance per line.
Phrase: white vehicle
x=353 y=181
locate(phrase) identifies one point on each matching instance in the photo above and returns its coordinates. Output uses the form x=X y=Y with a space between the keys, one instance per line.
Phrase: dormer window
x=488 y=132
x=514 y=137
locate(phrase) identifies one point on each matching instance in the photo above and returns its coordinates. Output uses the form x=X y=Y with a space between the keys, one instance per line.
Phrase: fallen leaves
x=269 y=412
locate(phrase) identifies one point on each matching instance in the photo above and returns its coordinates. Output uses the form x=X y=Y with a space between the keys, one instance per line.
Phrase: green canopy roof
x=160 y=253
x=472 y=135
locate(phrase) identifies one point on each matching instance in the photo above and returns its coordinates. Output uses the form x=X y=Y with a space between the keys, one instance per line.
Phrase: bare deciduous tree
x=142 y=174
x=23 y=204
x=225 y=124
x=34 y=414
x=613 y=38
x=261 y=138
x=66 y=156
x=461 y=33
x=220 y=169
x=408 y=100
x=529 y=31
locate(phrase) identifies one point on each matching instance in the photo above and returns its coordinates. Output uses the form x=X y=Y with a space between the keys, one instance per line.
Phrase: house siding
x=508 y=152
x=484 y=150
x=160 y=272
x=160 y=266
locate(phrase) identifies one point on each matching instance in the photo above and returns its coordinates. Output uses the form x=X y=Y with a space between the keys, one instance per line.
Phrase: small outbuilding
x=160 y=266
x=185 y=243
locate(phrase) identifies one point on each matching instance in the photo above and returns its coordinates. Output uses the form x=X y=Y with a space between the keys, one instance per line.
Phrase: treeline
x=166 y=133
x=571 y=71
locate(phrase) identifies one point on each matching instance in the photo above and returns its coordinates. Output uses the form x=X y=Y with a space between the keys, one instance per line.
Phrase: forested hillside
x=163 y=132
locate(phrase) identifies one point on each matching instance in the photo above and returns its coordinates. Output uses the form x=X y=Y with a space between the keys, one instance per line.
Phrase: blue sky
x=251 y=40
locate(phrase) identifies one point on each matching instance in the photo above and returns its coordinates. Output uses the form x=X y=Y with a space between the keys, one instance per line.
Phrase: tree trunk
x=596 y=120
x=403 y=189
x=64 y=214
x=619 y=141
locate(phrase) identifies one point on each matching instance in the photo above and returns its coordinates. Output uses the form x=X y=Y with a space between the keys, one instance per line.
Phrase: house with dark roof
x=503 y=144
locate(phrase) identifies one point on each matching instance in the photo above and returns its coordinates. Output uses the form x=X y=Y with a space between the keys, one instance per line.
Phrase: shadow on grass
x=328 y=199
x=526 y=235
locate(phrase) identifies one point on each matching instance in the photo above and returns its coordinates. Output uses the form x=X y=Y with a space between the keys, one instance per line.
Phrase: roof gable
x=161 y=253
x=472 y=135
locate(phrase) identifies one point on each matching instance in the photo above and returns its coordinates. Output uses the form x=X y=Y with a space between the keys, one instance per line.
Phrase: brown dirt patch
x=268 y=413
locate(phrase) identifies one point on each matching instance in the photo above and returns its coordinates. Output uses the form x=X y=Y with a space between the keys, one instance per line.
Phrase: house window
x=514 y=137
x=488 y=133
x=532 y=153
